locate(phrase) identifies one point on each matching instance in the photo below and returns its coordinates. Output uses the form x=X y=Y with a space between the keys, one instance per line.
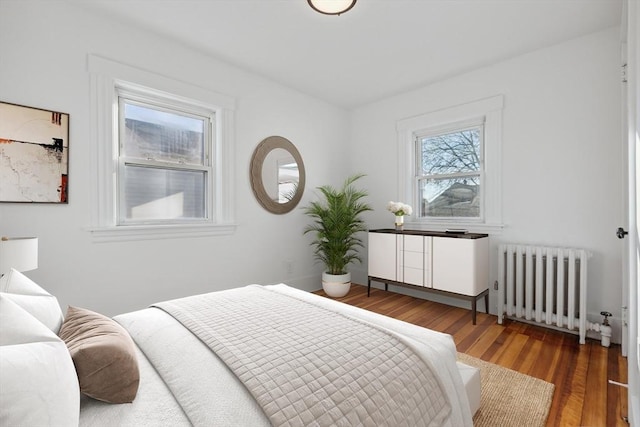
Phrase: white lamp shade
x=331 y=7
x=20 y=253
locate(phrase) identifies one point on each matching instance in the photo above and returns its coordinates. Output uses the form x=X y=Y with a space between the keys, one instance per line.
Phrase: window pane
x=161 y=135
x=451 y=197
x=156 y=194
x=451 y=152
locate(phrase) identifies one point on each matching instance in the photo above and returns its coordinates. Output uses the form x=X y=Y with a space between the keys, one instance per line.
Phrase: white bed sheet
x=153 y=406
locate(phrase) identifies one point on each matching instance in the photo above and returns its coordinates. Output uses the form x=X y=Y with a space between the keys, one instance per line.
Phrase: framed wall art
x=34 y=155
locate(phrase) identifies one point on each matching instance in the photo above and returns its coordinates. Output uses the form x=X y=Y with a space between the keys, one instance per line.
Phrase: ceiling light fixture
x=331 y=7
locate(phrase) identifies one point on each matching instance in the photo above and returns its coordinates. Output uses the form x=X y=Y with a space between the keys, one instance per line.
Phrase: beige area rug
x=510 y=398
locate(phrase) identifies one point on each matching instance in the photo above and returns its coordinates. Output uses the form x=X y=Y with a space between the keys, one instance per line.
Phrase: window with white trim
x=164 y=167
x=450 y=163
x=162 y=153
x=449 y=172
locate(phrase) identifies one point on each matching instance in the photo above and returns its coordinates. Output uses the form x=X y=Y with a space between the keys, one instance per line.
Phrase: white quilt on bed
x=307 y=365
x=197 y=388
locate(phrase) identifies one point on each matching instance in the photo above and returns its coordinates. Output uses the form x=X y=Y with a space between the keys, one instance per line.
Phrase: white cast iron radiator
x=545 y=285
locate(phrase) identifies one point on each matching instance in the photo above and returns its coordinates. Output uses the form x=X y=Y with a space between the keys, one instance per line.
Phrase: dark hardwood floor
x=583 y=396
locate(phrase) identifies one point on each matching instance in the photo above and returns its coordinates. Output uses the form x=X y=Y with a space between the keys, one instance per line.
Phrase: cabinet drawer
x=414 y=276
x=413 y=243
x=412 y=259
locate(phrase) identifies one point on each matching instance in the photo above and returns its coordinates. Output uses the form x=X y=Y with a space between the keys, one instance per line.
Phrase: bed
x=200 y=361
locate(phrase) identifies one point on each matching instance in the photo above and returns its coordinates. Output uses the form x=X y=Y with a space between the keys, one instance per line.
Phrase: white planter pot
x=336 y=286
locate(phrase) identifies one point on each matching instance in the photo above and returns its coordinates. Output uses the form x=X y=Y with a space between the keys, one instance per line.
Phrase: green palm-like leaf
x=336 y=222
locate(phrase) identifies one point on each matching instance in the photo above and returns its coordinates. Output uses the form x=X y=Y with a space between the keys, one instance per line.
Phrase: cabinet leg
x=386 y=286
x=474 y=303
x=486 y=303
x=368 y=287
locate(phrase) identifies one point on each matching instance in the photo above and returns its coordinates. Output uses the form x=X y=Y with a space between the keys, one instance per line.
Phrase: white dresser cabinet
x=445 y=263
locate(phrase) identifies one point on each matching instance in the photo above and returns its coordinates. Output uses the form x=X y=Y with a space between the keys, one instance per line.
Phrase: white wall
x=562 y=152
x=561 y=159
x=43 y=51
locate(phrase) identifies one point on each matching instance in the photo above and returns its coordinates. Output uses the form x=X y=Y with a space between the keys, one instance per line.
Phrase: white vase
x=336 y=285
x=399 y=222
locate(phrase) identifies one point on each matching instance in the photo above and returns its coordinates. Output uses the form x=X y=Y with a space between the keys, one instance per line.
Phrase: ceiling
x=377 y=49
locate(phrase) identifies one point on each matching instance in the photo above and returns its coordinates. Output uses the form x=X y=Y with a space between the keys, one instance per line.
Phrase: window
x=164 y=171
x=449 y=172
x=450 y=163
x=162 y=153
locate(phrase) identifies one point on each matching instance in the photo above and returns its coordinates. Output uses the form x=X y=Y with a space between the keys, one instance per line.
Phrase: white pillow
x=35 y=300
x=38 y=384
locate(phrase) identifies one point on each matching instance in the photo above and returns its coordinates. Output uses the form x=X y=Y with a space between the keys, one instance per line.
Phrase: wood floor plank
x=623 y=410
x=529 y=356
x=447 y=320
x=512 y=350
x=613 y=391
x=496 y=346
x=616 y=414
x=482 y=338
x=580 y=373
x=563 y=378
x=594 y=410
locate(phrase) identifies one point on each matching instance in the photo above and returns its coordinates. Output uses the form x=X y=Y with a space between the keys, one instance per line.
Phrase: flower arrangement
x=399 y=208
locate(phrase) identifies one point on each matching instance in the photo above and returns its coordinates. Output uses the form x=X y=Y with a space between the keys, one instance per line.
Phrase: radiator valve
x=605 y=329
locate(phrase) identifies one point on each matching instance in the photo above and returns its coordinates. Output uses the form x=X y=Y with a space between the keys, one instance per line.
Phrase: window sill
x=442 y=226
x=154 y=232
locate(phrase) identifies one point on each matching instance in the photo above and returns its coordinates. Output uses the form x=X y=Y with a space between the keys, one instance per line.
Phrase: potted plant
x=337 y=221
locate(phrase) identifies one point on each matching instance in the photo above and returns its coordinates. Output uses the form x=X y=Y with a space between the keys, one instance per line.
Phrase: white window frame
x=451 y=128
x=154 y=100
x=107 y=78
x=487 y=111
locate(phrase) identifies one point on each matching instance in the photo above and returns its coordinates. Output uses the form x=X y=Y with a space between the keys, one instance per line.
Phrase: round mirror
x=277 y=174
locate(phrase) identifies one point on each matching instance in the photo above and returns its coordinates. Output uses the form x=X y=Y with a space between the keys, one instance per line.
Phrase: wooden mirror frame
x=257 y=161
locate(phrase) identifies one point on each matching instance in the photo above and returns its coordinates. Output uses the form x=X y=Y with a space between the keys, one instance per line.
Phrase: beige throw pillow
x=104 y=356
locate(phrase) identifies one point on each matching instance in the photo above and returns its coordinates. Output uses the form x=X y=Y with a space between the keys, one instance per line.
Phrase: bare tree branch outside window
x=450 y=174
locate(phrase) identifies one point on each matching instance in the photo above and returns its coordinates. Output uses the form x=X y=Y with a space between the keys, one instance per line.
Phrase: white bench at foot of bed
x=471 y=379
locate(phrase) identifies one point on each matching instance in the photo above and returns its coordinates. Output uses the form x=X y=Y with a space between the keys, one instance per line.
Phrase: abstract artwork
x=34 y=155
